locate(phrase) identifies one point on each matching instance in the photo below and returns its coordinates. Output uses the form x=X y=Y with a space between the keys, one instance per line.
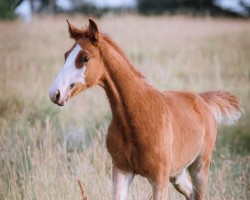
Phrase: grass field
x=45 y=149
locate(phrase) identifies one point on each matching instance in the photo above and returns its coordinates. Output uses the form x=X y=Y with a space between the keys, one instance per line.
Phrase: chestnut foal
x=163 y=136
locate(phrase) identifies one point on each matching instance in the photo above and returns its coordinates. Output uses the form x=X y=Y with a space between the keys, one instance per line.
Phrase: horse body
x=146 y=122
x=159 y=135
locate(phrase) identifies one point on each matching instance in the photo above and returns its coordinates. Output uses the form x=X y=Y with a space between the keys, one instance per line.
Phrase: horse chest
x=130 y=155
x=119 y=149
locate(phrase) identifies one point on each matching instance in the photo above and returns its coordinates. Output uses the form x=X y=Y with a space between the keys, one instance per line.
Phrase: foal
x=159 y=135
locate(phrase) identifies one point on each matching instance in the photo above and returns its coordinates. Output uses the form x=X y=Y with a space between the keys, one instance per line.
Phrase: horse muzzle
x=58 y=97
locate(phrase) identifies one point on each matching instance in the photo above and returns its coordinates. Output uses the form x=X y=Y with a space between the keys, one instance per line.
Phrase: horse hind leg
x=199 y=171
x=182 y=183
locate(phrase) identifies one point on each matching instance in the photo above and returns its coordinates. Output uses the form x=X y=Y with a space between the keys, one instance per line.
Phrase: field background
x=45 y=149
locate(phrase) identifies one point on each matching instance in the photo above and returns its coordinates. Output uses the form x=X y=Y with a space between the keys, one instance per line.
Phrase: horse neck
x=124 y=86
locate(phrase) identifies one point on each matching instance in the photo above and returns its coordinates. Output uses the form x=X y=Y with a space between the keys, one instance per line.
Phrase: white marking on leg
x=121 y=182
x=184 y=181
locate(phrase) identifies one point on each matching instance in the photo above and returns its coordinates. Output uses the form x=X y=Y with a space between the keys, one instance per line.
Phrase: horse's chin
x=60 y=104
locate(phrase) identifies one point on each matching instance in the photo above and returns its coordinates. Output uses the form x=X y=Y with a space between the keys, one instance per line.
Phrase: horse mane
x=108 y=40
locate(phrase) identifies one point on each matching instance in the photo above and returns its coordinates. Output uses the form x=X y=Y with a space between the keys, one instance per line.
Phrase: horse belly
x=184 y=153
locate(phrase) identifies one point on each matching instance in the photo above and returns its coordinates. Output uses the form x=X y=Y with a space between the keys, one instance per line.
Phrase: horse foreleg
x=160 y=191
x=121 y=182
x=160 y=188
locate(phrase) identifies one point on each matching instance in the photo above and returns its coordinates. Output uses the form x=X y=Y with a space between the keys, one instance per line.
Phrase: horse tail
x=225 y=106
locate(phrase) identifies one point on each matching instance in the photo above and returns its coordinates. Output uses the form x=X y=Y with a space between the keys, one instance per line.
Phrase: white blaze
x=69 y=74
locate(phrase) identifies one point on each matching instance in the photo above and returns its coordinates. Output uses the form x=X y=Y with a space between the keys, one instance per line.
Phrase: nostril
x=58 y=95
x=72 y=85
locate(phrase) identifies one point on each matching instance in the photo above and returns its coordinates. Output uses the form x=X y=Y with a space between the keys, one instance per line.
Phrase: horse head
x=82 y=68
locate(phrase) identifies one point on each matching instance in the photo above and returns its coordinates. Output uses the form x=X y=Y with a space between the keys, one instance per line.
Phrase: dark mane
x=118 y=49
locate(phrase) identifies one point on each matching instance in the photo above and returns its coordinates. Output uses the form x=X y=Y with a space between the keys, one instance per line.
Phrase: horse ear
x=74 y=32
x=93 y=31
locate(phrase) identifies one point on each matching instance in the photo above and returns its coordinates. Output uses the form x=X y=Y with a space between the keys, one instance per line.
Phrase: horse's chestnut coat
x=164 y=136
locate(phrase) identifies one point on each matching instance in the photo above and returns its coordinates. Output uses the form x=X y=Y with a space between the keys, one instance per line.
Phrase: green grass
x=45 y=149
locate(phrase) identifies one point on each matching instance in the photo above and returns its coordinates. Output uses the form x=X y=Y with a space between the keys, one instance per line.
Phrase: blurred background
x=98 y=8
x=194 y=45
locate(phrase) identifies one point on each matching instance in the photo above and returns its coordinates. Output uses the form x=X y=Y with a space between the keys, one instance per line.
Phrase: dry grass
x=45 y=150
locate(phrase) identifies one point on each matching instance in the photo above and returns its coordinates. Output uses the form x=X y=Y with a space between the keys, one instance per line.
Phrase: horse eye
x=84 y=59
